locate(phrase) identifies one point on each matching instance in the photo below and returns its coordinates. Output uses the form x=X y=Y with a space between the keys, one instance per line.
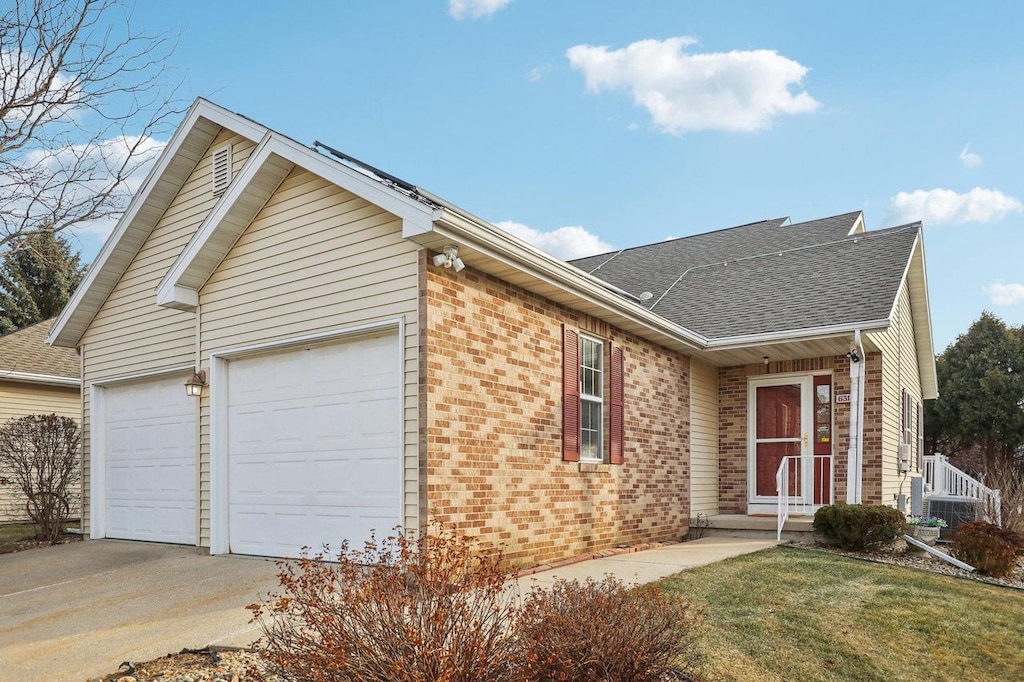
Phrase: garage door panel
x=326 y=463
x=150 y=462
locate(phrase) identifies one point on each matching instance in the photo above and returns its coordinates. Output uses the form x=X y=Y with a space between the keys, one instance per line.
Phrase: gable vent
x=221 y=169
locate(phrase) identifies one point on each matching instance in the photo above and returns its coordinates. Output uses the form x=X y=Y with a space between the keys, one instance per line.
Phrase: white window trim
x=591 y=398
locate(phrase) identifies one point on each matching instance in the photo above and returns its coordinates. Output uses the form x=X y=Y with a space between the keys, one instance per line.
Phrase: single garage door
x=150 y=461
x=314 y=447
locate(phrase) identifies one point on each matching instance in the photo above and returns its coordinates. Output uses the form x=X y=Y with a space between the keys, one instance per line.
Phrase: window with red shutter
x=570 y=395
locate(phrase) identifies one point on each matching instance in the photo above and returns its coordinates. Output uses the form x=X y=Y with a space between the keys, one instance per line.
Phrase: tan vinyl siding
x=316 y=259
x=899 y=371
x=131 y=334
x=703 y=439
x=20 y=400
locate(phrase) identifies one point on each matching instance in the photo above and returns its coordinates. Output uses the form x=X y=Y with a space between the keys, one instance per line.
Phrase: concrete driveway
x=74 y=611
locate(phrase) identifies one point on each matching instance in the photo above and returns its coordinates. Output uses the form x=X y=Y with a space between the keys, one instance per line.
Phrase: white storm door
x=150 y=461
x=780 y=424
x=314 y=447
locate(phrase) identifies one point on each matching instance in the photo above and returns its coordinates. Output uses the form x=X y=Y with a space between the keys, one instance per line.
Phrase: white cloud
x=474 y=9
x=566 y=243
x=733 y=91
x=72 y=174
x=969 y=158
x=946 y=206
x=1006 y=294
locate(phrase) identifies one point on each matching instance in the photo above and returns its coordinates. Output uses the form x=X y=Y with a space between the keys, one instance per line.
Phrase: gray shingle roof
x=26 y=351
x=766 y=277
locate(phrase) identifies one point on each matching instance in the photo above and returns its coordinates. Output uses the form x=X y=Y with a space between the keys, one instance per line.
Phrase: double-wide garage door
x=313 y=451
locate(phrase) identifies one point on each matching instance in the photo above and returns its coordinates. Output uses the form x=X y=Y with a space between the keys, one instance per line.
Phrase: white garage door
x=314 y=447
x=150 y=461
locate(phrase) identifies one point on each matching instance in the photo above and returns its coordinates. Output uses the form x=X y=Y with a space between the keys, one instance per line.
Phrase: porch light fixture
x=194 y=386
x=449 y=258
x=853 y=355
x=766 y=359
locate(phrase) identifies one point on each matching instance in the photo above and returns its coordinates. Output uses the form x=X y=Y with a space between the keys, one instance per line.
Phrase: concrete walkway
x=76 y=611
x=651 y=564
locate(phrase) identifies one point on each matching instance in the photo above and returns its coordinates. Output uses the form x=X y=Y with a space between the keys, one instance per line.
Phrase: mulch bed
x=192 y=665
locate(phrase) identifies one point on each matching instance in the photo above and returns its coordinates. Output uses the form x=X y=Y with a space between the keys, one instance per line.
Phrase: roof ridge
x=888 y=232
x=613 y=254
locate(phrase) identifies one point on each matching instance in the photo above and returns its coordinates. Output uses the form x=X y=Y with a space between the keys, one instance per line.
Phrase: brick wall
x=871 y=484
x=491 y=436
x=732 y=415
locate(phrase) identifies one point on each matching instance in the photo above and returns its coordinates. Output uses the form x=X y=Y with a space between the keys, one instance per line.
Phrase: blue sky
x=633 y=122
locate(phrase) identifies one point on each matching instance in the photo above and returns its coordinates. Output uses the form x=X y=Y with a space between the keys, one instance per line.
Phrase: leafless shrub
x=602 y=630
x=399 y=610
x=1008 y=478
x=39 y=455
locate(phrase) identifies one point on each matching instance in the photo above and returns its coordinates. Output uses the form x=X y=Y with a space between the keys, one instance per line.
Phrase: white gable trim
x=30 y=378
x=137 y=222
x=268 y=166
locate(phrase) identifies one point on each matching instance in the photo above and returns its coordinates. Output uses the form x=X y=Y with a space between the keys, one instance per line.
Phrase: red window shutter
x=617 y=429
x=570 y=395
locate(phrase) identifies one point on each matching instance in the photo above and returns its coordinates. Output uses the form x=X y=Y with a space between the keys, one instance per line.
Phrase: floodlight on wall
x=449 y=258
x=853 y=355
x=194 y=386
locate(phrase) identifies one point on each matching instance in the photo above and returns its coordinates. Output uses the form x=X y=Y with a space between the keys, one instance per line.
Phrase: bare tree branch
x=83 y=101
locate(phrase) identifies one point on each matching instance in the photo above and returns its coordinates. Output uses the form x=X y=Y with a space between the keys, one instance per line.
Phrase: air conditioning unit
x=952 y=511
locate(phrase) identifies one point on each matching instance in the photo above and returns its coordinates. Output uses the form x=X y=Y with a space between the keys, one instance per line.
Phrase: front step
x=797 y=528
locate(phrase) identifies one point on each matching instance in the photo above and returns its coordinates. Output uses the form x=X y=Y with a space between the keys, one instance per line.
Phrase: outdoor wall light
x=449 y=258
x=853 y=355
x=194 y=386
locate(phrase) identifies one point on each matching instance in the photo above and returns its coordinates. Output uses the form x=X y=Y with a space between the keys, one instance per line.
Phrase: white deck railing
x=803 y=484
x=942 y=479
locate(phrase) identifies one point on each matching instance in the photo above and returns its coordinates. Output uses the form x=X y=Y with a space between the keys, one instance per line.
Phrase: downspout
x=855 y=454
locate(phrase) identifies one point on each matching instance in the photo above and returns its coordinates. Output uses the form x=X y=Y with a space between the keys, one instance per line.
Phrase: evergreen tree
x=38 y=274
x=981 y=394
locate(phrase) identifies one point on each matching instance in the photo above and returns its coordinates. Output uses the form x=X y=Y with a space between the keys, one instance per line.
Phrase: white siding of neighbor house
x=899 y=371
x=131 y=334
x=20 y=400
x=315 y=259
x=703 y=439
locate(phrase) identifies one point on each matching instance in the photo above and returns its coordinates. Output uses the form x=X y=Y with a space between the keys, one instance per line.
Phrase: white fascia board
x=415 y=215
x=508 y=249
x=922 y=314
x=200 y=109
x=30 y=378
x=788 y=335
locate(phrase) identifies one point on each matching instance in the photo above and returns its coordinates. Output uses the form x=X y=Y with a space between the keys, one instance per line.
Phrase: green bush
x=603 y=630
x=859 y=526
x=990 y=549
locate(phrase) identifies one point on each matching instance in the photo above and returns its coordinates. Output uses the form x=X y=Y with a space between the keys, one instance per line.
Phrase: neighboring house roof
x=25 y=356
x=723 y=313
x=767 y=277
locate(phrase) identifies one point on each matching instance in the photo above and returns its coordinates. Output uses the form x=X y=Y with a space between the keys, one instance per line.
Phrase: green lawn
x=796 y=614
x=13 y=532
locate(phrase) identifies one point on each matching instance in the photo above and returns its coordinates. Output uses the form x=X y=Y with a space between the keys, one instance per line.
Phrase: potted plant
x=925 y=528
